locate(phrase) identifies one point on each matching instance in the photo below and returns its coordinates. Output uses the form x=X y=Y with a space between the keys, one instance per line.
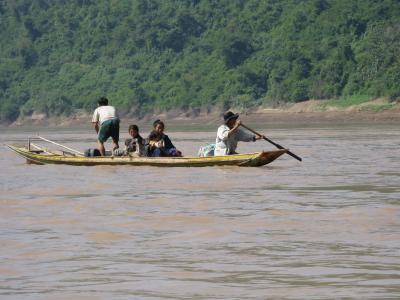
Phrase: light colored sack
x=206 y=151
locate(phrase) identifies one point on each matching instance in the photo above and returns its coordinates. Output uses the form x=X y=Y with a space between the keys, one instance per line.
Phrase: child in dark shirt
x=159 y=144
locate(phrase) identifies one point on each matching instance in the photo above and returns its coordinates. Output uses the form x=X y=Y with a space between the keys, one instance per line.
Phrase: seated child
x=135 y=144
x=159 y=143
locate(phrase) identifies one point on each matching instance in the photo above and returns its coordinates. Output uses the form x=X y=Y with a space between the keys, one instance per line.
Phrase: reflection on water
x=324 y=228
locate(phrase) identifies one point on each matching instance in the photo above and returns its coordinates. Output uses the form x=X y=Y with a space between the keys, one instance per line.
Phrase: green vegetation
x=153 y=55
x=362 y=101
x=377 y=107
x=344 y=102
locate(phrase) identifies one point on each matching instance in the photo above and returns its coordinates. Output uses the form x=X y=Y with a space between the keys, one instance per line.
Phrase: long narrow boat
x=49 y=157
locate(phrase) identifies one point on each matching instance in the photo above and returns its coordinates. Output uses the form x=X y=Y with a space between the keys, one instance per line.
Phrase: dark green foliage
x=236 y=52
x=153 y=55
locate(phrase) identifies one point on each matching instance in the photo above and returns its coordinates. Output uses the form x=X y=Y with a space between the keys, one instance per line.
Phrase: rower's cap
x=229 y=116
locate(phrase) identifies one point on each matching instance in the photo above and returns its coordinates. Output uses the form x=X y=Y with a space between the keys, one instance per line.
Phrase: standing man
x=106 y=123
x=229 y=134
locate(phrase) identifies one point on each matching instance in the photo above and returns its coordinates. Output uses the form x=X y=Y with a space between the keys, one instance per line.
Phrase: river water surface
x=326 y=228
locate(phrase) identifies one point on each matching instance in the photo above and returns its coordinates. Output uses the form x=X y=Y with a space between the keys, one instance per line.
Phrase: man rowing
x=106 y=124
x=229 y=134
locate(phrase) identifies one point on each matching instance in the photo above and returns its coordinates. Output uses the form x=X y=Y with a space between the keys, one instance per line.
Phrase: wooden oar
x=273 y=143
x=62 y=146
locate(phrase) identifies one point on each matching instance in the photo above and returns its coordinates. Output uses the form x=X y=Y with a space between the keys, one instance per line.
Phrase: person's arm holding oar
x=244 y=136
x=270 y=141
x=232 y=130
x=234 y=127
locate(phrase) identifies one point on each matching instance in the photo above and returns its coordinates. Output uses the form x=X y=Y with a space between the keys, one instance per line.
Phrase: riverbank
x=312 y=111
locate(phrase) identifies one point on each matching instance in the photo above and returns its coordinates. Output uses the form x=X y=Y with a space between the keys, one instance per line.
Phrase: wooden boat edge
x=246 y=159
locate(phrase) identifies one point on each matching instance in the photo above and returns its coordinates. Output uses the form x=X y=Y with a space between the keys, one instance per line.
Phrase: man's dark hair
x=156 y=122
x=103 y=101
x=133 y=127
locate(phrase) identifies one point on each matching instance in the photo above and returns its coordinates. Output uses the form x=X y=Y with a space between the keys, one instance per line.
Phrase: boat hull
x=246 y=160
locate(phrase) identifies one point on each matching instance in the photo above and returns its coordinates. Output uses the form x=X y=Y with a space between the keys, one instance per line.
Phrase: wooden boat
x=43 y=156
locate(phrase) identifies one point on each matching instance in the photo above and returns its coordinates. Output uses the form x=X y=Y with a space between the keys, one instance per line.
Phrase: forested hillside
x=60 y=55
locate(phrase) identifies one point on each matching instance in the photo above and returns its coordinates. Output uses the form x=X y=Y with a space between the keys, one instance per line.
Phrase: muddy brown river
x=326 y=228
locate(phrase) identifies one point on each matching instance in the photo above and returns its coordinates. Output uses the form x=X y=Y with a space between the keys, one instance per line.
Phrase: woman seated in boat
x=159 y=143
x=229 y=134
x=134 y=145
